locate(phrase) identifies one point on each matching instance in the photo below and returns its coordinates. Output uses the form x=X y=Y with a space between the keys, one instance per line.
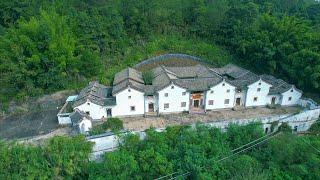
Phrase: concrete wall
x=174 y=99
x=295 y=96
x=85 y=125
x=261 y=95
x=64 y=118
x=219 y=94
x=96 y=111
x=124 y=103
x=303 y=121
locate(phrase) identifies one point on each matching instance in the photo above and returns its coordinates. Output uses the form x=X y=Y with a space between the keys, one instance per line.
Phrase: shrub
x=113 y=124
x=147 y=77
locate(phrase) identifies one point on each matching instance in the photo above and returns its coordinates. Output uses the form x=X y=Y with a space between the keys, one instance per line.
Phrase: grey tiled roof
x=278 y=85
x=128 y=83
x=126 y=74
x=197 y=84
x=77 y=116
x=231 y=70
x=237 y=76
x=128 y=77
x=97 y=94
x=241 y=78
x=194 y=78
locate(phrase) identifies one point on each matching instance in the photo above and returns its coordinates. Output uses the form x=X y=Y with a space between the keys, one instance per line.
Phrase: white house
x=220 y=96
x=257 y=93
x=193 y=89
x=173 y=99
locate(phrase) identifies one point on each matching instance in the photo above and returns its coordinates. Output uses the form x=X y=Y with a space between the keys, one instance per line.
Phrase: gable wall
x=174 y=99
x=261 y=95
x=295 y=96
x=96 y=111
x=219 y=95
x=124 y=103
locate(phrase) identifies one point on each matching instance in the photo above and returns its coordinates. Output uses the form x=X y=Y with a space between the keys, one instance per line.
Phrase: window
x=259 y=83
x=87 y=112
x=290 y=98
x=132 y=108
x=228 y=90
x=223 y=84
x=88 y=104
x=291 y=90
x=211 y=91
x=172 y=87
x=255 y=99
x=226 y=101
x=129 y=97
x=259 y=89
x=166 y=94
x=210 y=102
x=166 y=105
x=129 y=90
x=183 y=104
x=183 y=93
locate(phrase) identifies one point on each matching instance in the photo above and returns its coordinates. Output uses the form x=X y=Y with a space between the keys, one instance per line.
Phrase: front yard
x=142 y=123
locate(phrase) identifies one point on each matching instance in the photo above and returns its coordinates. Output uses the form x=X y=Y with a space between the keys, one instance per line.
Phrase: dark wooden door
x=196 y=103
x=151 y=107
x=238 y=100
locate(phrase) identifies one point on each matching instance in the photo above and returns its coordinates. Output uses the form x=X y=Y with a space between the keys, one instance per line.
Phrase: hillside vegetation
x=178 y=150
x=47 y=45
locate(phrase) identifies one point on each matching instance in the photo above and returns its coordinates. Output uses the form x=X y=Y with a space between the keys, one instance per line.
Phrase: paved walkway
x=142 y=123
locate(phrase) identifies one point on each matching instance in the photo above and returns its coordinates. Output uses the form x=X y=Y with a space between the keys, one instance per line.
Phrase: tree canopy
x=47 y=46
x=178 y=150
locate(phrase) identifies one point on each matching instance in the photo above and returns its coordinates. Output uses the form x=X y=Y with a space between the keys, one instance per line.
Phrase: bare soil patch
x=36 y=117
x=142 y=123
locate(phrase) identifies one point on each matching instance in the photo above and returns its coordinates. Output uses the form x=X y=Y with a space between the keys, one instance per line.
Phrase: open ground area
x=142 y=123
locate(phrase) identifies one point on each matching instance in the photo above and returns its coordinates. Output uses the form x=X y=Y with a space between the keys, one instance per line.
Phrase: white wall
x=295 y=96
x=262 y=95
x=124 y=103
x=219 y=95
x=277 y=101
x=174 y=99
x=64 y=118
x=96 y=111
x=85 y=125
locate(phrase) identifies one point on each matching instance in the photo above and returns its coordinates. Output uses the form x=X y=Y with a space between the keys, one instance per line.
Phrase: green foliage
x=284 y=127
x=62 y=157
x=65 y=44
x=147 y=77
x=315 y=128
x=113 y=124
x=178 y=149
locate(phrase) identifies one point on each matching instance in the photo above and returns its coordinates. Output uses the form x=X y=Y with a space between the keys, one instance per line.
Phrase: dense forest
x=48 y=45
x=178 y=150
